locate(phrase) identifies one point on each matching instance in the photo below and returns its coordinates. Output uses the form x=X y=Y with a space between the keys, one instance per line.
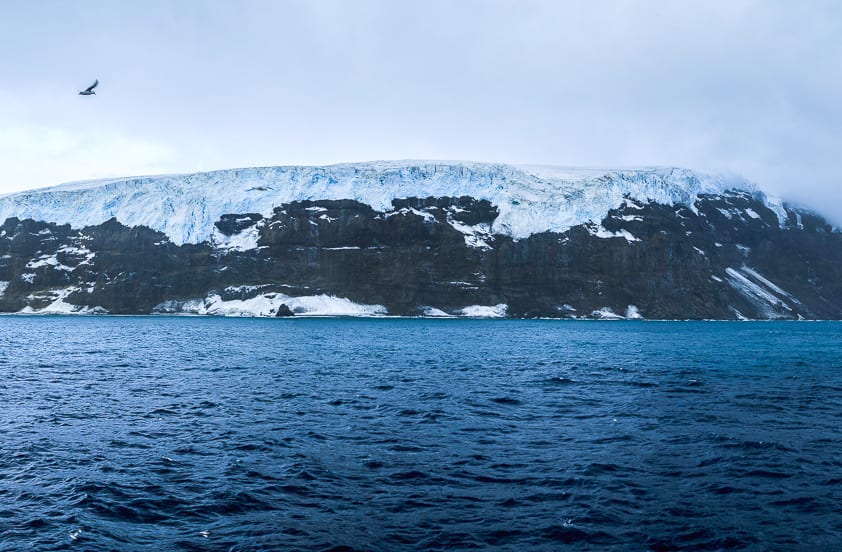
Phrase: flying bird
x=89 y=90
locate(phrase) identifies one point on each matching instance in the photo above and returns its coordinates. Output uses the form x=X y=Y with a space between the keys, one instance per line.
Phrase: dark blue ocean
x=124 y=433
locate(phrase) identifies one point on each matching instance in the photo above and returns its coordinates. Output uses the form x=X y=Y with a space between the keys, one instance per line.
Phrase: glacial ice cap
x=530 y=199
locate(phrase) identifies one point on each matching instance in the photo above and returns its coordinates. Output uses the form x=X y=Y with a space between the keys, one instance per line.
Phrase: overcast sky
x=746 y=86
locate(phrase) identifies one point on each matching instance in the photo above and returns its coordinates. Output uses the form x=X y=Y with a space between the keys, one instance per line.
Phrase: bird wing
x=91 y=87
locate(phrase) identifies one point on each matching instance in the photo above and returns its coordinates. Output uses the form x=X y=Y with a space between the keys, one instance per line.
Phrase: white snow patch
x=763 y=281
x=242 y=241
x=630 y=204
x=3 y=286
x=428 y=217
x=529 y=199
x=602 y=232
x=475 y=236
x=738 y=314
x=694 y=209
x=479 y=311
x=435 y=313
x=266 y=305
x=716 y=278
x=699 y=251
x=776 y=204
x=28 y=277
x=606 y=313
x=48 y=260
x=752 y=213
x=725 y=213
x=60 y=306
x=243 y=288
x=763 y=298
x=78 y=252
x=632 y=313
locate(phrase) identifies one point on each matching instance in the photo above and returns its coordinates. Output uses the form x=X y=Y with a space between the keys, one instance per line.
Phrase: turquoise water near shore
x=134 y=433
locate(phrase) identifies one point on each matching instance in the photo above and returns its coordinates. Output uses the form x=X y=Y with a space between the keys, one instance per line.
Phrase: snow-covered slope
x=530 y=198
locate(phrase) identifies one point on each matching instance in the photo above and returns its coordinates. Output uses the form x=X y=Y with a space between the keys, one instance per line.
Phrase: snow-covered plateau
x=530 y=199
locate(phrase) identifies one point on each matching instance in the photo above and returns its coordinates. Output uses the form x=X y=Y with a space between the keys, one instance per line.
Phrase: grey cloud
x=742 y=86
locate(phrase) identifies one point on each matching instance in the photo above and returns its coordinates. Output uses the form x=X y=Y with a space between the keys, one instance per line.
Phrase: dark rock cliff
x=729 y=257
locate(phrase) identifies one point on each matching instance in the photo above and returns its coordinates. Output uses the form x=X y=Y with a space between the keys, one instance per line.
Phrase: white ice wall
x=530 y=199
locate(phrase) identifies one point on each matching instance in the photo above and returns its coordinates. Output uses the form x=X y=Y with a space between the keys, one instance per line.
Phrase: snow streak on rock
x=768 y=298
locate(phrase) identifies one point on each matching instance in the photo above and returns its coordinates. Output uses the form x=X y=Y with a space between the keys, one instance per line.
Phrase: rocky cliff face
x=725 y=255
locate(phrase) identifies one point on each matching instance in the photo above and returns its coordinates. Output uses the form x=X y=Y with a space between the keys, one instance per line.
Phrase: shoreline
x=396 y=317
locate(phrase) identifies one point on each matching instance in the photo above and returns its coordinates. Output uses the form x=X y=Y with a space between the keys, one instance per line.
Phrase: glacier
x=530 y=199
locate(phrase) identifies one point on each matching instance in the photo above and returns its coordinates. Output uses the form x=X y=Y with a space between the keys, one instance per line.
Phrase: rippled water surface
x=243 y=434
